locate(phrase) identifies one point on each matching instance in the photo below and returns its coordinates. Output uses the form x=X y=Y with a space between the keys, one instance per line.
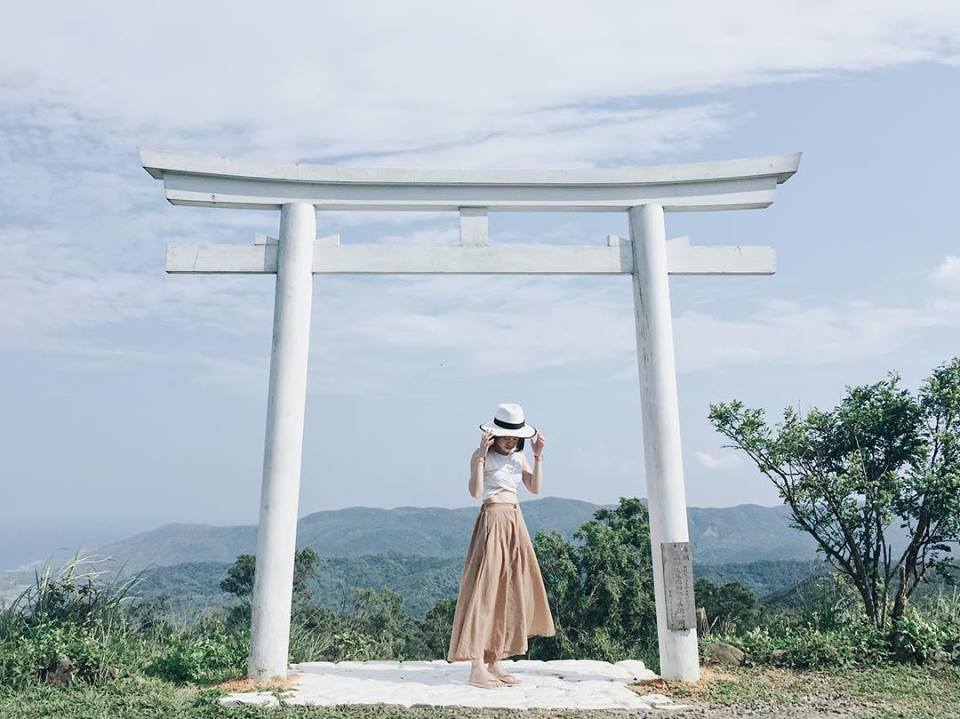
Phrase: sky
x=132 y=398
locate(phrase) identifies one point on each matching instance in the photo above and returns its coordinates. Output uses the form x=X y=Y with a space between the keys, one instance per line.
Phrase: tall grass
x=69 y=616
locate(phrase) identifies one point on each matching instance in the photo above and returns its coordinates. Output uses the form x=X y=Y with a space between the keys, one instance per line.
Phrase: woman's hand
x=486 y=441
x=538 y=443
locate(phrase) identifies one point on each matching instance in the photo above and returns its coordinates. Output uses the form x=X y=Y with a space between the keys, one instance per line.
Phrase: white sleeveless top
x=501 y=471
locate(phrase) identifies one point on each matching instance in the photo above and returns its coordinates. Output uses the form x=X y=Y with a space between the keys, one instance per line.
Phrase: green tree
x=601 y=588
x=729 y=606
x=239 y=579
x=240 y=576
x=380 y=617
x=883 y=457
x=437 y=627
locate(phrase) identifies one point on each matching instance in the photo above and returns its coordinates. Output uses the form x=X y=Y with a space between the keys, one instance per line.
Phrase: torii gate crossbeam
x=645 y=193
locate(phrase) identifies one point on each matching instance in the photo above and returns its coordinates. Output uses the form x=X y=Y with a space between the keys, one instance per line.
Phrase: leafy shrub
x=373 y=625
x=37 y=652
x=67 y=614
x=201 y=658
x=811 y=648
x=943 y=610
x=917 y=637
x=854 y=645
x=350 y=644
x=758 y=644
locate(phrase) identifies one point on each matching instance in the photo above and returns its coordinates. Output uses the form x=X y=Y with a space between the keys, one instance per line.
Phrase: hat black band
x=507 y=425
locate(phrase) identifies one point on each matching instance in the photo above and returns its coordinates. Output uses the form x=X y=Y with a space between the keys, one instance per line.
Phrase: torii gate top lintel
x=211 y=181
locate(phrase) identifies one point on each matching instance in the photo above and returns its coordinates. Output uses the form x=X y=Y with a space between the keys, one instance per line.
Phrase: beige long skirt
x=502 y=600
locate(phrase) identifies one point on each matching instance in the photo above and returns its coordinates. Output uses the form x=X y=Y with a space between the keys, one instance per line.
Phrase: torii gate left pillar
x=283 y=445
x=644 y=193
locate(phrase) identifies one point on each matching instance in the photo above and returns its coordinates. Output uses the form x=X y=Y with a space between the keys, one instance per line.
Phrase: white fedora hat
x=508 y=422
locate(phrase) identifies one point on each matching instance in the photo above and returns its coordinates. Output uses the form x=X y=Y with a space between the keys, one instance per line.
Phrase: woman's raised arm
x=532 y=478
x=477 y=459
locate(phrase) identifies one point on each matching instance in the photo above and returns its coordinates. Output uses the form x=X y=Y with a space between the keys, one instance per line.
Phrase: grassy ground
x=889 y=692
x=882 y=692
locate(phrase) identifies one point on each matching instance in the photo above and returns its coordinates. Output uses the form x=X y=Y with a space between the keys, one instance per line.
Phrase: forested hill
x=744 y=533
x=421 y=581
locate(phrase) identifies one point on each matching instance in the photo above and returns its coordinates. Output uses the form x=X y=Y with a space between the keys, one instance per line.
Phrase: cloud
x=718 y=460
x=328 y=80
x=946 y=275
x=793 y=333
x=535 y=84
x=463 y=327
x=569 y=137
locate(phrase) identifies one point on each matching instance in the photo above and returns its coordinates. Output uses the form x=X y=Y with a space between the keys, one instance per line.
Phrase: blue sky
x=133 y=398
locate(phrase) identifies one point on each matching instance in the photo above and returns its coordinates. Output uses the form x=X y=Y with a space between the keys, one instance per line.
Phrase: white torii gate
x=298 y=191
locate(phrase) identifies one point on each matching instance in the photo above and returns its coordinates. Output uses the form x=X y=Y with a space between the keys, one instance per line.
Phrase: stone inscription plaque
x=678 y=585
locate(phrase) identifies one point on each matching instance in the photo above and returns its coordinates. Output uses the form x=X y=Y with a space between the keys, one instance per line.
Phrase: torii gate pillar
x=663 y=460
x=280 y=491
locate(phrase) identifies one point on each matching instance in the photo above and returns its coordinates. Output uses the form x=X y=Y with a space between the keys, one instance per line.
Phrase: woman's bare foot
x=480 y=677
x=497 y=670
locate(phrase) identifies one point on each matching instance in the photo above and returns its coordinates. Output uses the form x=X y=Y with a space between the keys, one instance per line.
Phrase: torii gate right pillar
x=663 y=459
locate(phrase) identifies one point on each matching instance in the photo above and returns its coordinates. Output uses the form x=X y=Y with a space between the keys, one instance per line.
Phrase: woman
x=502 y=600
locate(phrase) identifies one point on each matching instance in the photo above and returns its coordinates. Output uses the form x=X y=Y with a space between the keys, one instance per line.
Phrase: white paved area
x=557 y=684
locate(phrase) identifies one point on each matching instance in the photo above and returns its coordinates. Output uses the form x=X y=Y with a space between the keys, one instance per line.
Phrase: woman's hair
x=520 y=442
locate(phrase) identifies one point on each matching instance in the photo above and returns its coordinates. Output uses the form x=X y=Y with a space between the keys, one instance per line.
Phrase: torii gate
x=298 y=191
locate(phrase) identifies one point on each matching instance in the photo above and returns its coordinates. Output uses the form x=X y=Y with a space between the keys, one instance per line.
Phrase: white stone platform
x=556 y=684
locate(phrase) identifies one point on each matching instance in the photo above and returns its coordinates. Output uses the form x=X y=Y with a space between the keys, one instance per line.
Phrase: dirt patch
x=647 y=686
x=684 y=689
x=243 y=684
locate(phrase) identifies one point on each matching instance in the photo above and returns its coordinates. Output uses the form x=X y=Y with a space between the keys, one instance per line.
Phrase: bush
x=853 y=645
x=37 y=652
x=811 y=648
x=374 y=625
x=67 y=615
x=202 y=657
x=917 y=637
x=943 y=610
x=350 y=644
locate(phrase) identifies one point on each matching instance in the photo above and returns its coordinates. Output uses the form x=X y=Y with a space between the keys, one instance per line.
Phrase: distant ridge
x=744 y=533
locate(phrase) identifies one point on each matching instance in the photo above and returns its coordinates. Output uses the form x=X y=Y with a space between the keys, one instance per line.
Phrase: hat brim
x=525 y=432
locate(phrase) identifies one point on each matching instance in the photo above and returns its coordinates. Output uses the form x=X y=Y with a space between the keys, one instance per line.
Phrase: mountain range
x=419 y=551
x=744 y=533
